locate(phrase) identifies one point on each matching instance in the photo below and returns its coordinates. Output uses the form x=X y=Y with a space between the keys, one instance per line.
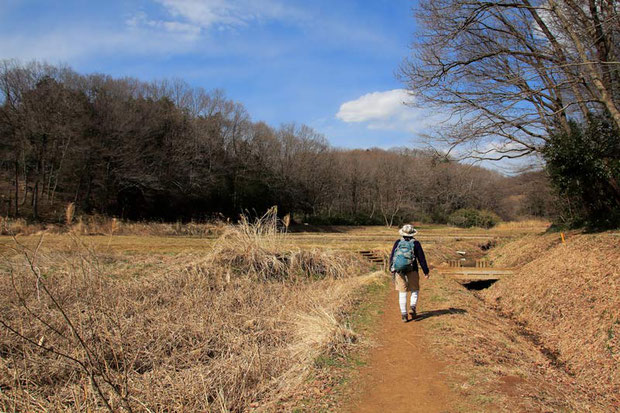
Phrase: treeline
x=164 y=150
x=528 y=77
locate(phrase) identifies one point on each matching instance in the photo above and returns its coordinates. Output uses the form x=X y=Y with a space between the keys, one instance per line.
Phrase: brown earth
x=402 y=374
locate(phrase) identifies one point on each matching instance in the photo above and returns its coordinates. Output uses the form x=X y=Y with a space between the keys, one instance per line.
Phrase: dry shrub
x=13 y=226
x=569 y=295
x=262 y=250
x=79 y=333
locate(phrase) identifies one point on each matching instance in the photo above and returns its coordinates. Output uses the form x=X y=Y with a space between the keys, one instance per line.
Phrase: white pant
x=402 y=300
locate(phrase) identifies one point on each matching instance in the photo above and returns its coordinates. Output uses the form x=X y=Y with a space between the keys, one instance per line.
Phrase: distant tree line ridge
x=167 y=151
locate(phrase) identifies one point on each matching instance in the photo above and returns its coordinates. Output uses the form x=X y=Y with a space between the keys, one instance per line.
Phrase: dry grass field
x=233 y=318
x=568 y=295
x=89 y=324
x=106 y=235
x=542 y=339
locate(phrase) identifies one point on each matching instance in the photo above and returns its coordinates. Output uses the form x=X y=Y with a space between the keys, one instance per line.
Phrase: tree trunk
x=35 y=200
x=16 y=188
x=605 y=94
x=25 y=196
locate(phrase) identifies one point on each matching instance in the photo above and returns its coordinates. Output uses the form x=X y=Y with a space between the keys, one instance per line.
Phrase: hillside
x=568 y=295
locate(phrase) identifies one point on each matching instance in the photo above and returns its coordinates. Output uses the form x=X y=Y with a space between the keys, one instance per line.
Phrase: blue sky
x=328 y=64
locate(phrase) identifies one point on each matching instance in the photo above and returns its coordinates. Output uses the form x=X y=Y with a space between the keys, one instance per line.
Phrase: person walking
x=406 y=253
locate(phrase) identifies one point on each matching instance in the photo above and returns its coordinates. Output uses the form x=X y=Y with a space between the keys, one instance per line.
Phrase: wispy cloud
x=201 y=18
x=205 y=28
x=141 y=20
x=71 y=44
x=202 y=15
x=185 y=26
x=388 y=110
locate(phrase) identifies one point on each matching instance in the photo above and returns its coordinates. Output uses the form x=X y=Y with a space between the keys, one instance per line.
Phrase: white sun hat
x=407 y=231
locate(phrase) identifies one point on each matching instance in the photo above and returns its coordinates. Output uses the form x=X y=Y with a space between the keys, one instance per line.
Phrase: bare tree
x=510 y=72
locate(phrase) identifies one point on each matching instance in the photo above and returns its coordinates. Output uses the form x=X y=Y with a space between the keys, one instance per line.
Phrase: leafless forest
x=168 y=151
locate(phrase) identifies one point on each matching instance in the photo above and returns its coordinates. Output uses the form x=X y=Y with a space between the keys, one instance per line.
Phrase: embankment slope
x=568 y=296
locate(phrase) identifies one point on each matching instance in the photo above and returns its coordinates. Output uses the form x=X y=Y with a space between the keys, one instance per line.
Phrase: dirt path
x=402 y=375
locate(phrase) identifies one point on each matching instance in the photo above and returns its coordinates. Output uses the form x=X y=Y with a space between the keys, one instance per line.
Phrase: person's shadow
x=434 y=313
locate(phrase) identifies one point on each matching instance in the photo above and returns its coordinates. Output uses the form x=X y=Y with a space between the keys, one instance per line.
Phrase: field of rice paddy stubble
x=157 y=323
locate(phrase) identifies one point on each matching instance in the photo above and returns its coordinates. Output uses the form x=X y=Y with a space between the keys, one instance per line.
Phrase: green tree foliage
x=584 y=166
x=467 y=217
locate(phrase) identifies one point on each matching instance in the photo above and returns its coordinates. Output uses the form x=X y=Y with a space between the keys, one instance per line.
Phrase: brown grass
x=12 y=226
x=102 y=225
x=238 y=326
x=528 y=225
x=569 y=296
x=493 y=367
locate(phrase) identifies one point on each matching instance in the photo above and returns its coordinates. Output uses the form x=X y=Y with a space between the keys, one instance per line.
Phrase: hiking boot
x=413 y=313
x=405 y=318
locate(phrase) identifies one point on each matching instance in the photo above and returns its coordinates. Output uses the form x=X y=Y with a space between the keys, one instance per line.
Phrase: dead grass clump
x=569 y=296
x=85 y=332
x=69 y=212
x=13 y=226
x=261 y=250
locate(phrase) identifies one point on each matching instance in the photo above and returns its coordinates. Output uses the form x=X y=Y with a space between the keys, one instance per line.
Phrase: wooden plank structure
x=482 y=271
x=471 y=274
x=376 y=257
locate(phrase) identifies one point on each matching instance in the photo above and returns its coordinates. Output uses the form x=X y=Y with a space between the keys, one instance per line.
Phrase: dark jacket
x=419 y=254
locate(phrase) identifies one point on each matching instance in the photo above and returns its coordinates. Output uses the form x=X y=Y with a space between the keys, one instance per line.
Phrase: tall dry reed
x=86 y=331
x=69 y=212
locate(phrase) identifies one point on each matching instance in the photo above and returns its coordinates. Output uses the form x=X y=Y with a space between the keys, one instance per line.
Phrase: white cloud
x=141 y=20
x=389 y=110
x=70 y=44
x=373 y=106
x=197 y=18
x=206 y=14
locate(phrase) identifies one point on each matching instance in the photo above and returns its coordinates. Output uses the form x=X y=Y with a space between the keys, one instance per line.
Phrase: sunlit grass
x=341 y=238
